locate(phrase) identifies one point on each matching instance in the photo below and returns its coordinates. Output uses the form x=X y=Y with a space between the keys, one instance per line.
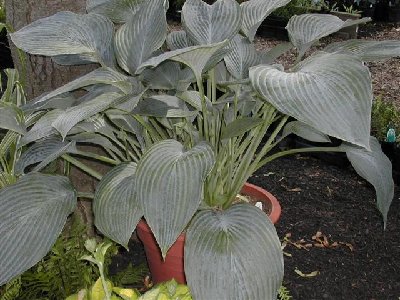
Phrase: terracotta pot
x=173 y=267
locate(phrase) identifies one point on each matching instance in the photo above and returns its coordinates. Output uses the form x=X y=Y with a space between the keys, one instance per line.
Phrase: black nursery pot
x=394 y=14
x=338 y=159
x=382 y=11
x=367 y=12
x=392 y=151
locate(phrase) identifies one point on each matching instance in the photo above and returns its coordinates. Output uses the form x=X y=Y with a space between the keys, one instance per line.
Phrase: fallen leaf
x=350 y=246
x=306 y=275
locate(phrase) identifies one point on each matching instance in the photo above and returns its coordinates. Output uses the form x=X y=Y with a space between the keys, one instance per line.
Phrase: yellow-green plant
x=104 y=289
x=384 y=115
x=2 y=13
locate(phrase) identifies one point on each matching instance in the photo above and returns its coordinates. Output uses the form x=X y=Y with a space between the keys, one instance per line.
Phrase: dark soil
x=319 y=197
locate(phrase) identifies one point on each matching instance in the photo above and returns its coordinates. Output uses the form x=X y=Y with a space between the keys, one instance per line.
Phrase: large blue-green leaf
x=143 y=34
x=169 y=182
x=168 y=76
x=233 y=254
x=376 y=168
x=242 y=56
x=11 y=118
x=178 y=40
x=239 y=127
x=43 y=152
x=163 y=106
x=306 y=29
x=105 y=76
x=68 y=33
x=119 y=11
x=96 y=139
x=78 y=113
x=32 y=214
x=367 y=50
x=195 y=57
x=254 y=13
x=193 y=98
x=209 y=24
x=62 y=101
x=331 y=92
x=42 y=128
x=305 y=131
x=116 y=210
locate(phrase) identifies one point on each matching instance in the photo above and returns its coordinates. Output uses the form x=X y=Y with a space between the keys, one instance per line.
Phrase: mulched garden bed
x=319 y=197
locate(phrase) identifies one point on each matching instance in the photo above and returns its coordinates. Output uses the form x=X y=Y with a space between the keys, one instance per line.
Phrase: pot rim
x=257 y=191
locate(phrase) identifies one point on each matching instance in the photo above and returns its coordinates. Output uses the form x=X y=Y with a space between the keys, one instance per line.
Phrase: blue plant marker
x=391 y=135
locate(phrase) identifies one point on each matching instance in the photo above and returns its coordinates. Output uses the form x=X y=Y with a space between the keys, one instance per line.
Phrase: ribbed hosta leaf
x=242 y=56
x=163 y=106
x=43 y=152
x=73 y=59
x=168 y=76
x=74 y=115
x=193 y=98
x=68 y=33
x=98 y=76
x=209 y=24
x=62 y=101
x=128 y=103
x=143 y=34
x=376 y=168
x=233 y=254
x=11 y=118
x=119 y=11
x=170 y=187
x=42 y=128
x=32 y=214
x=367 y=50
x=254 y=13
x=195 y=57
x=305 y=131
x=178 y=40
x=96 y=139
x=330 y=92
x=128 y=123
x=115 y=206
x=96 y=123
x=239 y=127
x=306 y=29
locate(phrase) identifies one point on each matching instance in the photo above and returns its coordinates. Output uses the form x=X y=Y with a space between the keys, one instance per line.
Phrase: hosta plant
x=181 y=118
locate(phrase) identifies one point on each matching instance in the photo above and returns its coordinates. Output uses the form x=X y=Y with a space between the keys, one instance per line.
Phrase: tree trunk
x=39 y=73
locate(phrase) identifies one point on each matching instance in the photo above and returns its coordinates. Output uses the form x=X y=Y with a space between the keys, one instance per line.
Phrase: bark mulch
x=334 y=233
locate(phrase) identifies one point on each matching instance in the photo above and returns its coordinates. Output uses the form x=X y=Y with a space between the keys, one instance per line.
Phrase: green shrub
x=2 y=12
x=384 y=115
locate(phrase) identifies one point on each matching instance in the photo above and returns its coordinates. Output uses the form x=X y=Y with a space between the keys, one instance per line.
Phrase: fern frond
x=11 y=290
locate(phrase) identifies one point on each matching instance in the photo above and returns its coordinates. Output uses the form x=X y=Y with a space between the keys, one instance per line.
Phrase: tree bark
x=39 y=73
